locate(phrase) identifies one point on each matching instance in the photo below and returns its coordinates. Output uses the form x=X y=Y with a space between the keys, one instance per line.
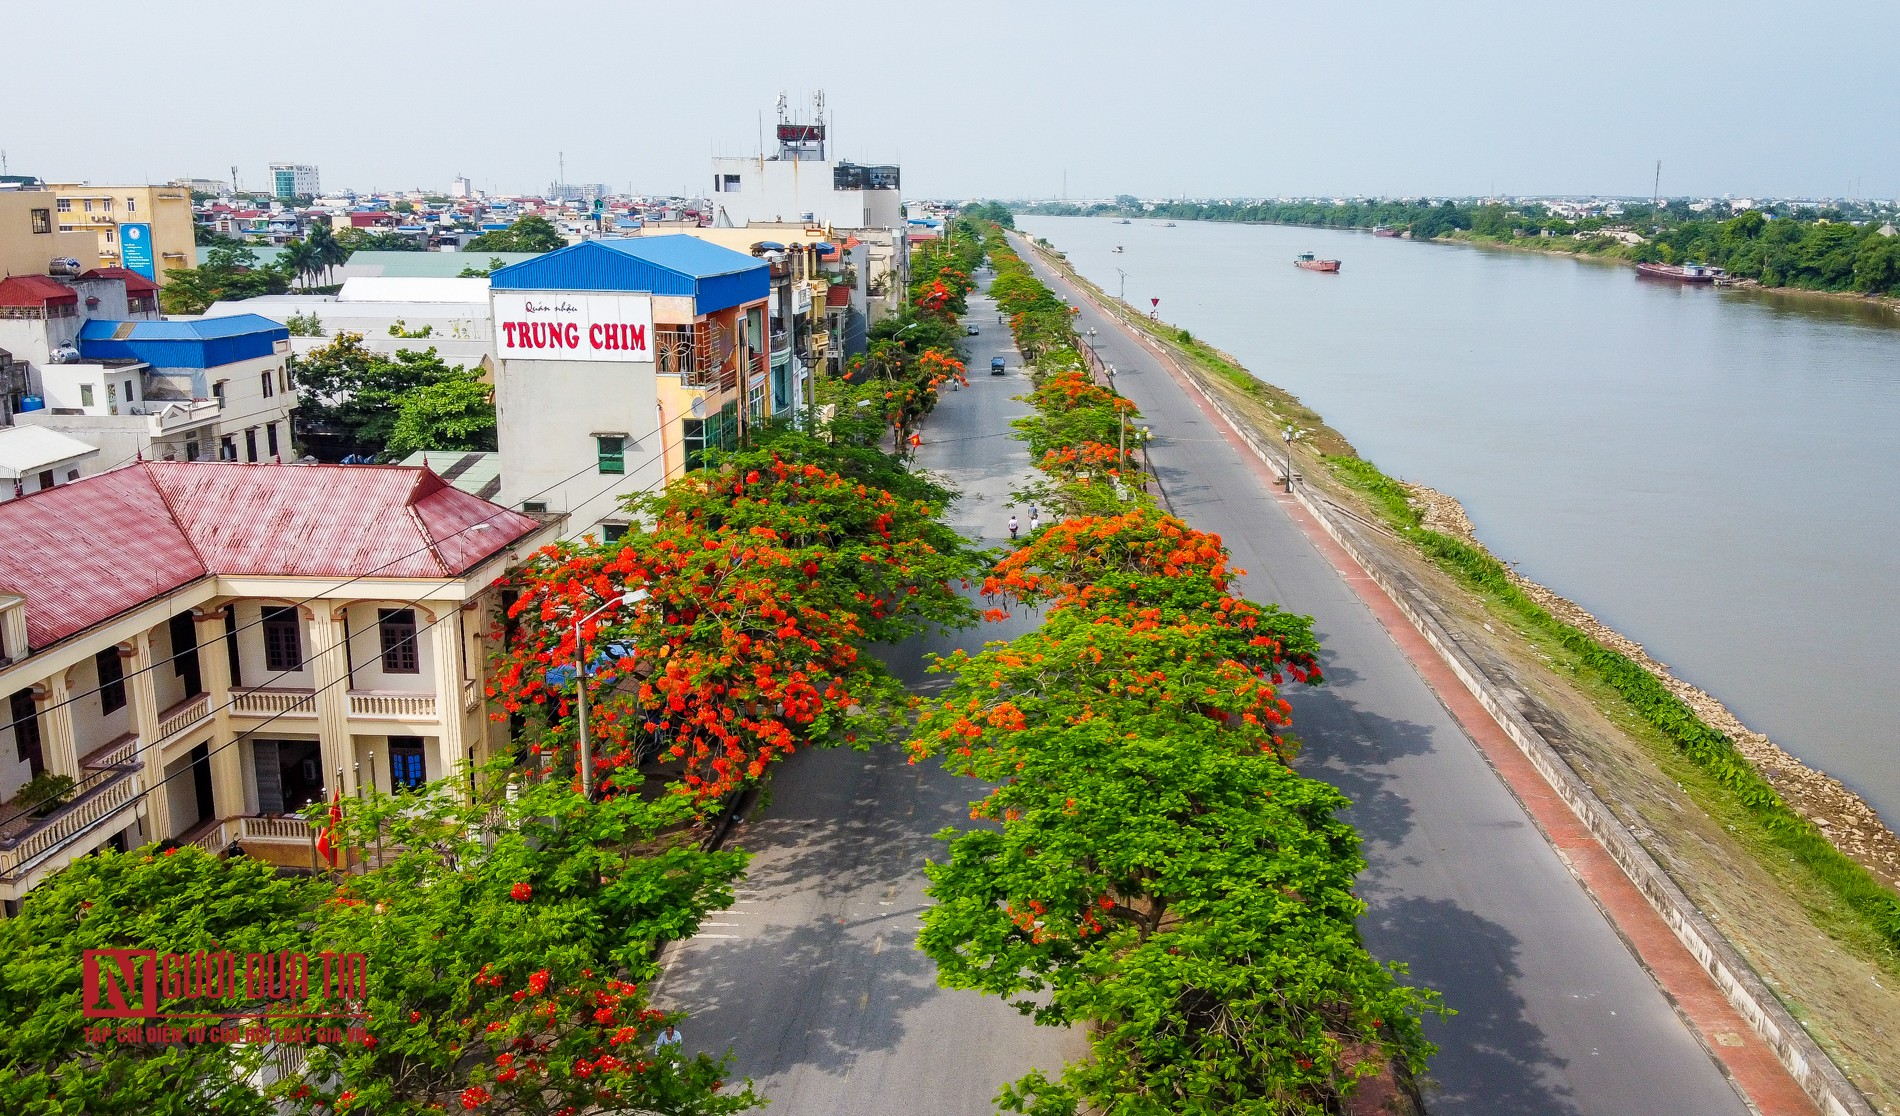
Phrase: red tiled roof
x=134 y=282
x=87 y=551
x=837 y=295
x=34 y=290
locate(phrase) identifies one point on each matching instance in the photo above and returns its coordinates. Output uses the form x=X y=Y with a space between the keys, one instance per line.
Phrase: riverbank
x=1766 y=880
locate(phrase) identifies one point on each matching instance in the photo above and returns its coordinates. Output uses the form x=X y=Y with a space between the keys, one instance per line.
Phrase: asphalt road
x=1554 y=1013
x=811 y=979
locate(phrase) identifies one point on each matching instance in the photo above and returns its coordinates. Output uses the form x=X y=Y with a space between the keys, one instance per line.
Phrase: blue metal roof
x=714 y=277
x=207 y=343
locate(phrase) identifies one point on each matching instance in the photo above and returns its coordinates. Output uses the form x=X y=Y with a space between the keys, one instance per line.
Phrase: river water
x=1715 y=474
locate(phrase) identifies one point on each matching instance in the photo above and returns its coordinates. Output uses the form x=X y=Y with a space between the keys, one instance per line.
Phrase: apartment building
x=145 y=229
x=618 y=363
x=203 y=648
x=31 y=238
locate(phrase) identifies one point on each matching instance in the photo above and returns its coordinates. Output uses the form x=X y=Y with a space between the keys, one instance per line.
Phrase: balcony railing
x=280 y=829
x=286 y=702
x=392 y=705
x=183 y=414
x=471 y=696
x=120 y=751
x=186 y=715
x=88 y=814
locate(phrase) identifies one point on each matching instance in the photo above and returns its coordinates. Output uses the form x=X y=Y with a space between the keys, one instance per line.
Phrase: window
x=613 y=532
x=64 y=205
x=112 y=399
x=184 y=638
x=270 y=439
x=26 y=730
x=534 y=507
x=405 y=763
x=42 y=220
x=217 y=392
x=85 y=395
x=107 y=203
x=397 y=628
x=131 y=205
x=111 y=680
x=191 y=450
x=693 y=440
x=283 y=639
x=270 y=385
x=731 y=184
x=227 y=449
x=613 y=453
x=250 y=444
x=88 y=204
x=109 y=237
x=231 y=645
x=46 y=480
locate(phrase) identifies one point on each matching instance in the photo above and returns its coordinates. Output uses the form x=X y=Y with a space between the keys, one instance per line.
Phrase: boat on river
x=1124 y=221
x=1386 y=230
x=1167 y=224
x=1682 y=273
x=1306 y=260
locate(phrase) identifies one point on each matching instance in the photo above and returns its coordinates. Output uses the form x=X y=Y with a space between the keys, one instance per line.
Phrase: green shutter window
x=693 y=440
x=729 y=427
x=613 y=454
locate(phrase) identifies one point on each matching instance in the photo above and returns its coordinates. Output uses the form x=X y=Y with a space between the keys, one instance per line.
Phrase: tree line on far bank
x=1779 y=245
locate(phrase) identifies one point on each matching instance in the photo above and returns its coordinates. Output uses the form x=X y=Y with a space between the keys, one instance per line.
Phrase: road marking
x=877 y=947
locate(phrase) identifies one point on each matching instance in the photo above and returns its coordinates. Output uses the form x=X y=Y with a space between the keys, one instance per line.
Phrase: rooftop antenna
x=234 y=181
x=563 y=167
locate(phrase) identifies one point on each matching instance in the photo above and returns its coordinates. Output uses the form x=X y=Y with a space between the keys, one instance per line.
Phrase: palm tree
x=300 y=258
x=330 y=252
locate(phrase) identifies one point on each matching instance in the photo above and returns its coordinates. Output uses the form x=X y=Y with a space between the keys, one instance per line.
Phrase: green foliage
x=45 y=792
x=179 y=902
x=370 y=240
x=494 y=264
x=229 y=272
x=991 y=212
x=1710 y=750
x=454 y=411
x=531 y=233
x=357 y=395
x=400 y=328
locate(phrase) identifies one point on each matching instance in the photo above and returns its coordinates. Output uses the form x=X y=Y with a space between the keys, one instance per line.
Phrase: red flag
x=326 y=837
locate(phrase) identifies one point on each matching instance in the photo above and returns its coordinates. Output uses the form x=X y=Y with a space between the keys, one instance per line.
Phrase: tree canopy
x=530 y=233
x=356 y=401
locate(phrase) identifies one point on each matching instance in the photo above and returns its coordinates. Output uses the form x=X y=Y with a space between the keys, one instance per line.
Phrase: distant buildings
x=293 y=180
x=204 y=648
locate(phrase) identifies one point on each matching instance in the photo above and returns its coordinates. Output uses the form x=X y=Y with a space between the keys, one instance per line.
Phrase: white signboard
x=550 y=325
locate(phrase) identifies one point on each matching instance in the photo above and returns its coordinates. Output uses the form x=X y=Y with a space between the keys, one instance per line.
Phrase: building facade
x=294 y=180
x=618 y=363
x=31 y=237
x=203 y=648
x=148 y=230
x=800 y=182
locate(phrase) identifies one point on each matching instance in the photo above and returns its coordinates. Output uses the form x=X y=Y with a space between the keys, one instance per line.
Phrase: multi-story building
x=795 y=322
x=800 y=183
x=94 y=362
x=293 y=180
x=619 y=362
x=31 y=237
x=145 y=229
x=203 y=648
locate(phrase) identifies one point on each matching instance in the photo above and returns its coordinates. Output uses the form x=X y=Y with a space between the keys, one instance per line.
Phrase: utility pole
x=1655 y=193
x=234 y=181
x=1123 y=296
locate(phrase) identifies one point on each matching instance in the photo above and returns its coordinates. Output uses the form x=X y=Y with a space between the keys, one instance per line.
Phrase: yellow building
x=31 y=238
x=104 y=210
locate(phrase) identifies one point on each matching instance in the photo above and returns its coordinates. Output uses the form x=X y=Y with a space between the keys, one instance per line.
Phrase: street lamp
x=1288 y=435
x=580 y=684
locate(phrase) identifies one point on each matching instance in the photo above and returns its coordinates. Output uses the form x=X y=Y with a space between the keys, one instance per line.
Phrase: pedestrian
x=1012 y=527
x=668 y=1038
x=1034 y=522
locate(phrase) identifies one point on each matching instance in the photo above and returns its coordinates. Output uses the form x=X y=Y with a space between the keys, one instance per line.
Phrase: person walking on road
x=668 y=1044
x=1035 y=521
x=1012 y=527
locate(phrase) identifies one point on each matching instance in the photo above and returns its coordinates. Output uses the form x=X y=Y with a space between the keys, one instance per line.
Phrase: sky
x=975 y=99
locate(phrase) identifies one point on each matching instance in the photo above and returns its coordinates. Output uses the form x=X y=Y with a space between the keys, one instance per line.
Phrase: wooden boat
x=1306 y=260
x=1681 y=273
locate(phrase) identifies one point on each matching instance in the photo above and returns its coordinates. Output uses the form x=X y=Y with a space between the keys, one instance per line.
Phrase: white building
x=294 y=180
x=801 y=184
x=203 y=648
x=32 y=460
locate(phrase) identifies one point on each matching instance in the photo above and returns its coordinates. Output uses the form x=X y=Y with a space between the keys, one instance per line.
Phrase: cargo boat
x=1306 y=260
x=1681 y=273
x=1386 y=230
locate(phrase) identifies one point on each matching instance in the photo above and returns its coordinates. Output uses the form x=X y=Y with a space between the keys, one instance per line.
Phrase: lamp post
x=1288 y=435
x=1123 y=296
x=580 y=684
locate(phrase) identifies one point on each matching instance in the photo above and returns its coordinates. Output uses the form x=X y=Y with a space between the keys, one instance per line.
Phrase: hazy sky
x=985 y=98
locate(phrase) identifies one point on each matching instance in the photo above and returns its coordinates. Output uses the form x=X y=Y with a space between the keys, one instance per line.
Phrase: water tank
x=63 y=266
x=32 y=403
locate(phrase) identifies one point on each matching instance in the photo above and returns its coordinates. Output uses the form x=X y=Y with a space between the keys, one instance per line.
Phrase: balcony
x=104 y=808
x=183 y=717
x=392 y=705
x=286 y=702
x=471 y=696
x=174 y=416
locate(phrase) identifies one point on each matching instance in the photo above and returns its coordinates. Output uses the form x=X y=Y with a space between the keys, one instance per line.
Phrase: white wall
x=548 y=412
x=246 y=407
x=92 y=727
x=787 y=189
x=366 y=652
x=251 y=664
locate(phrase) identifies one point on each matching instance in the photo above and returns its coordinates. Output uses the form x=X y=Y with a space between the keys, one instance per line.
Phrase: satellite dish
x=699 y=406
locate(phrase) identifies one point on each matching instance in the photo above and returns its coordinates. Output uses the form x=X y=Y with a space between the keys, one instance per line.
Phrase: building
x=145 y=229
x=211 y=187
x=801 y=183
x=205 y=647
x=461 y=188
x=31 y=238
x=293 y=180
x=101 y=367
x=391 y=313
x=619 y=362
x=33 y=460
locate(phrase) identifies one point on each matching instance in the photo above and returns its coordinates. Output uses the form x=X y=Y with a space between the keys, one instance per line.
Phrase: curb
x=1741 y=986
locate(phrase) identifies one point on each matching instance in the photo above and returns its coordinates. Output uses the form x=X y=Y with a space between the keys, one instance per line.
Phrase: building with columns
x=205 y=647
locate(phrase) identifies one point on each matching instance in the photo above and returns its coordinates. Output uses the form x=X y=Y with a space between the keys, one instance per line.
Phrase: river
x=1714 y=473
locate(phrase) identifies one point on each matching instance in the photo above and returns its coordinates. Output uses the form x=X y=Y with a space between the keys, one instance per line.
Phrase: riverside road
x=812 y=978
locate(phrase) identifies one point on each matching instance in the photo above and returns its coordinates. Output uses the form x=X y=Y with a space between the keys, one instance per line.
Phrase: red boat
x=1306 y=260
x=1681 y=273
x=1387 y=230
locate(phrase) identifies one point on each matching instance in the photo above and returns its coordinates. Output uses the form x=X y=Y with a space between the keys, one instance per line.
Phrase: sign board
x=551 y=325
x=1154 y=302
x=135 y=250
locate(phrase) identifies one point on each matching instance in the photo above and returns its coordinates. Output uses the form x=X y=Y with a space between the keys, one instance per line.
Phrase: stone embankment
x=1849 y=822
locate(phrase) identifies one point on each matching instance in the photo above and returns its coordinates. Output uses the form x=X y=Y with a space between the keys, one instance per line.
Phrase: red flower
x=474 y=1097
x=521 y=892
